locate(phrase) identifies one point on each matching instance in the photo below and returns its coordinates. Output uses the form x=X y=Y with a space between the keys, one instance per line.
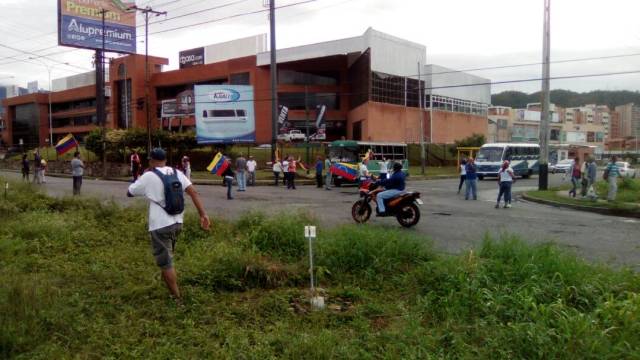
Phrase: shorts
x=163 y=243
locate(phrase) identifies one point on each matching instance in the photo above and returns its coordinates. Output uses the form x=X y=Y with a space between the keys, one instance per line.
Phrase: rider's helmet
x=397 y=167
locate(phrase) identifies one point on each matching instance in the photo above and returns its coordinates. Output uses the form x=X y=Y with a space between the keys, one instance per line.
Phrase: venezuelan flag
x=66 y=144
x=347 y=171
x=218 y=165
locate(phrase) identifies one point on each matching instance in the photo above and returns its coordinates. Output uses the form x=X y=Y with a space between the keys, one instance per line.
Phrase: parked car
x=292 y=135
x=625 y=169
x=561 y=167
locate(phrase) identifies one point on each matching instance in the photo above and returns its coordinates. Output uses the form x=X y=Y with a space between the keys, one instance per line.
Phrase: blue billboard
x=225 y=114
x=80 y=24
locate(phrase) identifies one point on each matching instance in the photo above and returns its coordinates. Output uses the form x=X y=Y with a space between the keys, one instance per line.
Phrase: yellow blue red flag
x=66 y=144
x=347 y=171
x=218 y=165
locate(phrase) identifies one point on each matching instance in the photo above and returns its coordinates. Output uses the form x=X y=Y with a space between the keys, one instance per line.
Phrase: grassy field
x=628 y=197
x=78 y=281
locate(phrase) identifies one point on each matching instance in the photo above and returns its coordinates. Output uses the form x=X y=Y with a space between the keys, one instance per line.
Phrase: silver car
x=625 y=169
x=561 y=167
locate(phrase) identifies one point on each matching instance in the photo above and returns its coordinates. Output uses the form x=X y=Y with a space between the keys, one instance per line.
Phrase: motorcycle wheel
x=408 y=215
x=361 y=211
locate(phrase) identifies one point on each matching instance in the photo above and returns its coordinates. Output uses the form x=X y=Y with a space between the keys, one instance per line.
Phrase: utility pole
x=274 y=78
x=146 y=11
x=420 y=102
x=306 y=122
x=543 y=179
x=100 y=103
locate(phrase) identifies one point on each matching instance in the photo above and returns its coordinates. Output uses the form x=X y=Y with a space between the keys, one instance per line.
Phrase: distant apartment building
x=581 y=126
x=629 y=120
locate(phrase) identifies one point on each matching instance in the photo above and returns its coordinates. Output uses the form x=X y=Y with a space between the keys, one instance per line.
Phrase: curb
x=593 y=209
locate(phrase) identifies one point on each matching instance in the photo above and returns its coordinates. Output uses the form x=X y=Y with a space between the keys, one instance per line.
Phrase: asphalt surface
x=451 y=222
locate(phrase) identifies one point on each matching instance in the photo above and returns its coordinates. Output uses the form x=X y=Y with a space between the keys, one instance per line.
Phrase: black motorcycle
x=404 y=206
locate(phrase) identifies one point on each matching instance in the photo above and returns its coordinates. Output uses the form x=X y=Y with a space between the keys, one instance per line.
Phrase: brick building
x=369 y=85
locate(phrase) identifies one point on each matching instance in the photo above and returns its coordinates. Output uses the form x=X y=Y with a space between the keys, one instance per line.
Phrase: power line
x=231 y=17
x=200 y=11
x=34 y=54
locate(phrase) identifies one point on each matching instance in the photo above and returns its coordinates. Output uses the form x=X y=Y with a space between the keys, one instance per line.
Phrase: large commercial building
x=371 y=85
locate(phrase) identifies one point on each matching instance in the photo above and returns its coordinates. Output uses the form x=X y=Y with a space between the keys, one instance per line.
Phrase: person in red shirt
x=135 y=165
x=293 y=164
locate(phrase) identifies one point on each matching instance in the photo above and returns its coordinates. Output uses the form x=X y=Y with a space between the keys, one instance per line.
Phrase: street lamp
x=49 y=68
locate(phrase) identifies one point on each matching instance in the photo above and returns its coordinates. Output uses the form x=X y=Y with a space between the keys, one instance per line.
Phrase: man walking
x=37 y=167
x=241 y=168
x=611 y=174
x=319 y=166
x=327 y=167
x=592 y=170
x=77 y=171
x=164 y=227
x=251 y=169
x=471 y=180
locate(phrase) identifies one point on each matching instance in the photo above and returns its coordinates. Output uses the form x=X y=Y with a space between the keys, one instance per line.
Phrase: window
x=25 y=125
x=491 y=154
x=240 y=79
x=291 y=77
x=554 y=135
x=296 y=101
x=388 y=89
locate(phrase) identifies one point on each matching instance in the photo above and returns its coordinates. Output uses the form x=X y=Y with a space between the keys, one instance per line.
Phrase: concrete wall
x=449 y=126
x=249 y=46
x=438 y=77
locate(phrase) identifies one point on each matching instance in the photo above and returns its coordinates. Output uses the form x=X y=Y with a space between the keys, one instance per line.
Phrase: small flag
x=218 y=165
x=66 y=144
x=347 y=171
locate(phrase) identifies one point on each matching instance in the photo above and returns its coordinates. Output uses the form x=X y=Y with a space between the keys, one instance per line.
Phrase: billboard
x=80 y=24
x=193 y=57
x=225 y=114
x=182 y=105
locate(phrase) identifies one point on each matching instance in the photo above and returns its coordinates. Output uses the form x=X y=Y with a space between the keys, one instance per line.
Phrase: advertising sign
x=320 y=125
x=193 y=57
x=80 y=24
x=225 y=114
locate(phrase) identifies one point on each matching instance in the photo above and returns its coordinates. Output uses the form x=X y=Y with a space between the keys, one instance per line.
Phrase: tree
x=475 y=140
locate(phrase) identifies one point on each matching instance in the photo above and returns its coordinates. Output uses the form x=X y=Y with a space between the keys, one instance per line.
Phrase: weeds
x=78 y=280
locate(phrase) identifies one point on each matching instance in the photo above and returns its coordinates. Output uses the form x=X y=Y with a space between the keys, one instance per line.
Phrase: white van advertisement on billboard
x=225 y=114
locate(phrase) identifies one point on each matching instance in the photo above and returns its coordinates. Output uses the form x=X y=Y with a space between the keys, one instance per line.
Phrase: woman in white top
x=383 y=169
x=463 y=173
x=277 y=170
x=506 y=178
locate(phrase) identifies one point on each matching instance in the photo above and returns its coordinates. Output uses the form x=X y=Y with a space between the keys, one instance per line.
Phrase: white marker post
x=317 y=302
x=6 y=189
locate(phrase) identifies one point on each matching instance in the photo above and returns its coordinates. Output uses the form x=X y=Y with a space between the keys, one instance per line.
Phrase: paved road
x=453 y=223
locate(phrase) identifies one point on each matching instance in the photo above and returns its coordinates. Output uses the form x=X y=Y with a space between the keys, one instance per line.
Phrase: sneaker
x=497 y=206
x=508 y=206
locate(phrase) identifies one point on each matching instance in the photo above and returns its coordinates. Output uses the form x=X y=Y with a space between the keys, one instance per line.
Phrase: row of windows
x=73 y=105
x=397 y=90
x=444 y=103
x=291 y=77
x=302 y=101
x=75 y=121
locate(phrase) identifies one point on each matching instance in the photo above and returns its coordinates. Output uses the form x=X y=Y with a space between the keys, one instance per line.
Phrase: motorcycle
x=404 y=206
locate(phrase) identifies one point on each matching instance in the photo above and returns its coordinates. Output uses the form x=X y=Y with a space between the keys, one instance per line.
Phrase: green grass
x=78 y=281
x=628 y=196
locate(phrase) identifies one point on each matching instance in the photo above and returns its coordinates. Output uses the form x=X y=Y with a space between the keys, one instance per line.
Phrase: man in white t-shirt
x=163 y=227
x=251 y=168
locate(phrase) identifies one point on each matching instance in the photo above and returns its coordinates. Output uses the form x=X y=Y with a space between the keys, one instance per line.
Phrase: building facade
x=375 y=87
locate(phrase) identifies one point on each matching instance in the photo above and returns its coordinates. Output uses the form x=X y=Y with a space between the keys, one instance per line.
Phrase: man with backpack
x=165 y=187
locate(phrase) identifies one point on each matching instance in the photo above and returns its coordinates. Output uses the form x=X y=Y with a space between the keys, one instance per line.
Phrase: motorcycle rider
x=393 y=186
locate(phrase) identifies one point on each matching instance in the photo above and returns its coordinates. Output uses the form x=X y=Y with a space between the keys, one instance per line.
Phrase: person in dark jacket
x=25 y=168
x=393 y=186
x=228 y=177
x=471 y=180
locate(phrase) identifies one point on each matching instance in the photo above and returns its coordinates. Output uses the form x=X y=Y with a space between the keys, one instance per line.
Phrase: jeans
x=387 y=194
x=462 y=179
x=319 y=180
x=505 y=188
x=229 y=182
x=252 y=178
x=574 y=184
x=242 y=180
x=276 y=176
x=77 y=184
x=613 y=188
x=585 y=187
x=327 y=181
x=471 y=189
x=291 y=181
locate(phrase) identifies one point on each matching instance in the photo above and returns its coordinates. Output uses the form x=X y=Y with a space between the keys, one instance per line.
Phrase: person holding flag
x=220 y=166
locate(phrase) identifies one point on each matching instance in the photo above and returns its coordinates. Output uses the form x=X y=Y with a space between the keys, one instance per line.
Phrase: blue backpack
x=173 y=194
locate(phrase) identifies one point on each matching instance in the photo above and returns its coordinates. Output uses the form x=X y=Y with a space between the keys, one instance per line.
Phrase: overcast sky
x=460 y=34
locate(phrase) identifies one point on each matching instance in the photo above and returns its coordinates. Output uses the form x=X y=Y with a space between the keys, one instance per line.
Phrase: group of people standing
x=39 y=168
x=469 y=178
x=585 y=174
